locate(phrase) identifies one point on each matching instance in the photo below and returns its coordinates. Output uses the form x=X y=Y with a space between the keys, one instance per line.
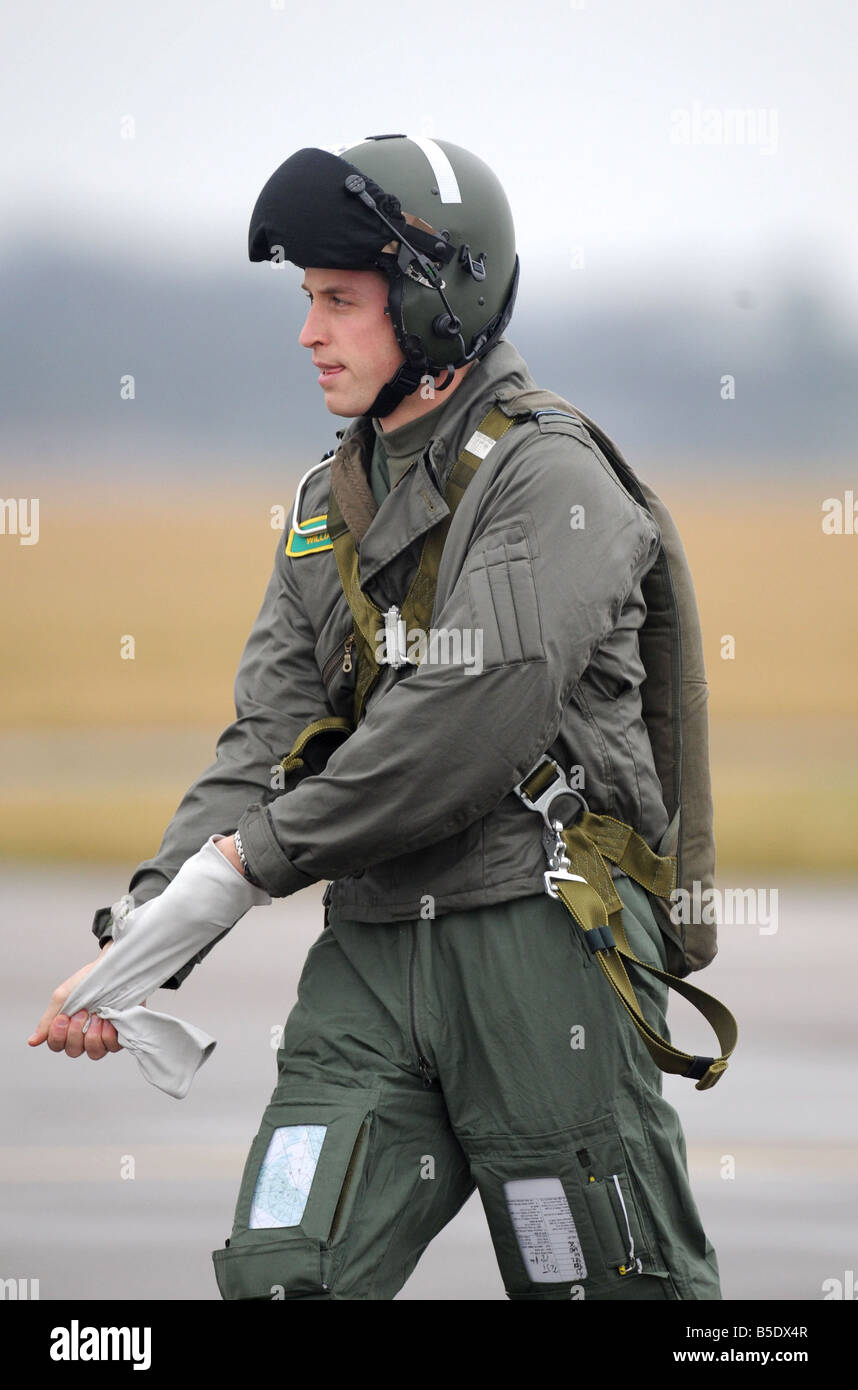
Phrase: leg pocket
x=297 y=1192
x=616 y=1221
x=567 y=1214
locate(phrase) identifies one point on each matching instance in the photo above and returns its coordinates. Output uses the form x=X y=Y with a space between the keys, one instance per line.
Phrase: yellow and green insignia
x=309 y=545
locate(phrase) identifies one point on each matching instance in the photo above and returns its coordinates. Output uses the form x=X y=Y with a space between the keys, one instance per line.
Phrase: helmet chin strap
x=403 y=383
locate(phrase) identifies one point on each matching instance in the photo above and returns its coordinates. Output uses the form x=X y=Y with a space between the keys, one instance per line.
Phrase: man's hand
x=205 y=900
x=63 y=1034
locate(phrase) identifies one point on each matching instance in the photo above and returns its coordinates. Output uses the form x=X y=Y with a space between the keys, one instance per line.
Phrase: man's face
x=350 y=336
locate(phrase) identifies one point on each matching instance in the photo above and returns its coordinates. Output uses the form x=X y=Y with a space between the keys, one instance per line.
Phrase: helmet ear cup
x=409 y=343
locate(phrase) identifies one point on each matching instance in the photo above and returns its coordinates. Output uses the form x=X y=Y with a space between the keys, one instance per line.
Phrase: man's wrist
x=232 y=849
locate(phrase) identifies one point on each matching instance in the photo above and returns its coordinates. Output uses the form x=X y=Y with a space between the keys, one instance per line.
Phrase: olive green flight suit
x=476 y=1049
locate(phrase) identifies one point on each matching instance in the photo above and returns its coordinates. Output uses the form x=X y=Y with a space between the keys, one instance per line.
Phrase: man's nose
x=312 y=332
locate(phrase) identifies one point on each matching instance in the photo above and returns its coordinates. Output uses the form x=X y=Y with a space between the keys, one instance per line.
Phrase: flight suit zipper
x=423 y=1065
x=342 y=655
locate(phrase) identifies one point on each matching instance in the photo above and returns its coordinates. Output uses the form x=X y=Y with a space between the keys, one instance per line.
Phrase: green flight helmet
x=446 y=311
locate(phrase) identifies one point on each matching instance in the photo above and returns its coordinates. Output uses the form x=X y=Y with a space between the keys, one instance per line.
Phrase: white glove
x=206 y=898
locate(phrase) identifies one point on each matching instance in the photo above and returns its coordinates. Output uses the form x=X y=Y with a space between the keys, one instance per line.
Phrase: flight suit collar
x=500 y=374
x=417 y=503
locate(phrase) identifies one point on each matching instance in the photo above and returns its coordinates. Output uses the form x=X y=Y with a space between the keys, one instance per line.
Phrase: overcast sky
x=600 y=119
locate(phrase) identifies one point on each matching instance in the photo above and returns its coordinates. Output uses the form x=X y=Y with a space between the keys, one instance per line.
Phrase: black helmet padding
x=305 y=214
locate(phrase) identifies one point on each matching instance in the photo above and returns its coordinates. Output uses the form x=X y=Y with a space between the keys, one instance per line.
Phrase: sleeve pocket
x=504 y=604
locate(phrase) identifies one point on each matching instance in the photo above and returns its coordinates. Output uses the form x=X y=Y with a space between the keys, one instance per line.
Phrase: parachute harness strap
x=579 y=876
x=419 y=602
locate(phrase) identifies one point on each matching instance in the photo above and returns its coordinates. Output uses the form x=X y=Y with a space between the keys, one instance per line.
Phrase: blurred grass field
x=96 y=751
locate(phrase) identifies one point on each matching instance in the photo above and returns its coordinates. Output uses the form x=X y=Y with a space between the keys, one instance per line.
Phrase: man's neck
x=421 y=401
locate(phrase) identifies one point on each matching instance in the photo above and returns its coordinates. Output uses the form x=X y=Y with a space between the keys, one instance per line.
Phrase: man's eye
x=335 y=299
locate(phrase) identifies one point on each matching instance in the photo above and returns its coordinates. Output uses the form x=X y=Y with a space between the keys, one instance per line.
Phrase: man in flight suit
x=452 y=1030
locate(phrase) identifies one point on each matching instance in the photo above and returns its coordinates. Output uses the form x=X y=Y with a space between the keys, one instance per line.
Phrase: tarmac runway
x=773 y=1148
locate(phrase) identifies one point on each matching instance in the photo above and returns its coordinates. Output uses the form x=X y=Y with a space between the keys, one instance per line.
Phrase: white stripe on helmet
x=442 y=169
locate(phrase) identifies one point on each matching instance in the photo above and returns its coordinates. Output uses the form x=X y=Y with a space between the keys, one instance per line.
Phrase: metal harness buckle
x=559 y=866
x=557 y=787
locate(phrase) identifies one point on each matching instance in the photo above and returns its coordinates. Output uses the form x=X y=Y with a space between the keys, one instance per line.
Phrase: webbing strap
x=597 y=908
x=416 y=609
x=630 y=852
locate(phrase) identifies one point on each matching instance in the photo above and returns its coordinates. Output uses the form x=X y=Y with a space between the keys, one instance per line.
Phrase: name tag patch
x=297 y=545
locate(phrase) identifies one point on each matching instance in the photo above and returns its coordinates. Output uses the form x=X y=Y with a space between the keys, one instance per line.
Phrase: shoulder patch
x=297 y=546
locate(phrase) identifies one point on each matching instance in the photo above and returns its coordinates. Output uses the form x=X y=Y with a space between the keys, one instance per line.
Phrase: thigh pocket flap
x=269 y=1269
x=298 y=1189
